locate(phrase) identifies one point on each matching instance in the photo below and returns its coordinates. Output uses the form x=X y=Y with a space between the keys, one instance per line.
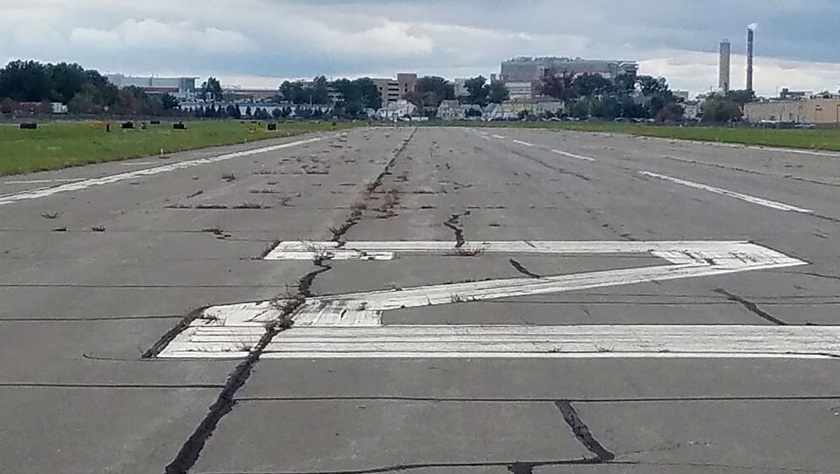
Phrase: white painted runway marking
x=139 y=163
x=44 y=181
x=498 y=137
x=512 y=342
x=231 y=331
x=88 y=183
x=743 y=197
x=572 y=155
x=520 y=142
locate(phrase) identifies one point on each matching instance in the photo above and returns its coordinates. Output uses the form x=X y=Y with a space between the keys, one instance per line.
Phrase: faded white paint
x=724 y=192
x=230 y=330
x=89 y=183
x=614 y=341
x=520 y=142
x=572 y=155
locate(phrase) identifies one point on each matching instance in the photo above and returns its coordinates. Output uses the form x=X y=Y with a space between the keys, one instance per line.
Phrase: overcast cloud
x=260 y=42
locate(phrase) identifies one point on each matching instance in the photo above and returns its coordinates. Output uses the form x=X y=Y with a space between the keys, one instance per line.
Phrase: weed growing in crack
x=229 y=177
x=51 y=215
x=465 y=252
x=100 y=228
x=214 y=231
x=251 y=205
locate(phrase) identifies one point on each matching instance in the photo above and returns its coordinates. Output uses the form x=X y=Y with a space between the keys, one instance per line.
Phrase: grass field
x=818 y=139
x=65 y=144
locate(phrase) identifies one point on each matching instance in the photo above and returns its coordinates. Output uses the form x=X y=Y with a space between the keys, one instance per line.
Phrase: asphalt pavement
x=425 y=300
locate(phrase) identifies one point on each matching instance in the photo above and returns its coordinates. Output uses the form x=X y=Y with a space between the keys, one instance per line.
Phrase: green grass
x=817 y=139
x=64 y=144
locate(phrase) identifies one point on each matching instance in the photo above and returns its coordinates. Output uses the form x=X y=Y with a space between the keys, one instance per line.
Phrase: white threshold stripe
x=224 y=331
x=88 y=183
x=572 y=155
x=520 y=142
x=557 y=341
x=724 y=192
x=529 y=247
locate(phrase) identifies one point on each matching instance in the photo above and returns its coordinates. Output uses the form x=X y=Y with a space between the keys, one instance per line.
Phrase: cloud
x=257 y=40
x=155 y=35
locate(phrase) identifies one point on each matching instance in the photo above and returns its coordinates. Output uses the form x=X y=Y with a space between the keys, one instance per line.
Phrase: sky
x=259 y=43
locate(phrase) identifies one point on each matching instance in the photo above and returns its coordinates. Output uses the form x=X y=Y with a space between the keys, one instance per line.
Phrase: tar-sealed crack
x=339 y=233
x=306 y=281
x=191 y=450
x=521 y=269
x=751 y=307
x=454 y=224
x=582 y=432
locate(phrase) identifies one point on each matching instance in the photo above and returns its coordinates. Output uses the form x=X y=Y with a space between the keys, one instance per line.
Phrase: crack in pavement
x=751 y=307
x=582 y=432
x=340 y=232
x=453 y=223
x=306 y=281
x=191 y=450
x=521 y=269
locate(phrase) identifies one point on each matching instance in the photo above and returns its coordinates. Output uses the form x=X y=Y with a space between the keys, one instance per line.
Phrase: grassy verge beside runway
x=64 y=144
x=816 y=139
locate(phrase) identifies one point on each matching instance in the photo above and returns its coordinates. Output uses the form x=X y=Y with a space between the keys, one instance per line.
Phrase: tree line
x=83 y=91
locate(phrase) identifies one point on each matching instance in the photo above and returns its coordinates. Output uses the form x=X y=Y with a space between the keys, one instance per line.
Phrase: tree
x=431 y=91
x=169 y=102
x=594 y=85
x=212 y=90
x=718 y=109
x=740 y=97
x=497 y=93
x=476 y=91
x=319 y=91
x=233 y=112
x=561 y=86
x=25 y=81
x=248 y=112
x=670 y=113
x=276 y=113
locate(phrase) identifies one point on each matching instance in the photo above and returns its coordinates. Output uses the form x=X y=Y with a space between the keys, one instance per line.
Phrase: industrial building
x=180 y=87
x=725 y=68
x=392 y=91
x=526 y=69
x=815 y=109
x=522 y=75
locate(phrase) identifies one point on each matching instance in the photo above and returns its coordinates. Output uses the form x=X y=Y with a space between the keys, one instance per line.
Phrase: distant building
x=525 y=69
x=394 y=90
x=396 y=110
x=815 y=109
x=180 y=87
x=522 y=75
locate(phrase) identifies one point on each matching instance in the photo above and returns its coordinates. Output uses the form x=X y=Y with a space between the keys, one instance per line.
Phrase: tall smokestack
x=725 y=63
x=750 y=54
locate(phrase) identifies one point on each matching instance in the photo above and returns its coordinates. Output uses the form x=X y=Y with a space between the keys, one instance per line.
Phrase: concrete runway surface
x=430 y=300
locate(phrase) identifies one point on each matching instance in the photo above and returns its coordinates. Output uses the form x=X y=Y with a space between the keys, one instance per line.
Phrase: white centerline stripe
x=498 y=137
x=520 y=142
x=743 y=197
x=572 y=155
x=88 y=183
